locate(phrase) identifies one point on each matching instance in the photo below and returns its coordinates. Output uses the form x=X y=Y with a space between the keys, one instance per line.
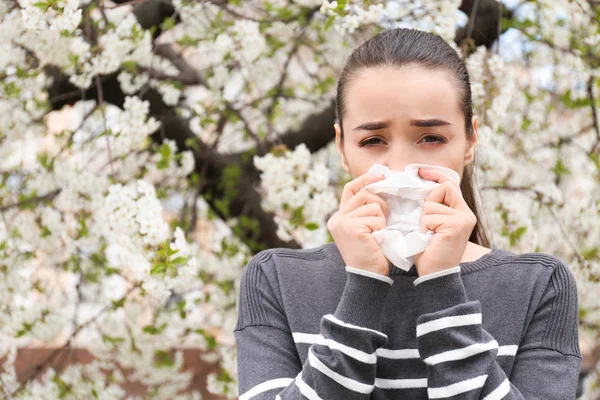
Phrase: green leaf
x=211 y=342
x=560 y=168
x=168 y=23
x=163 y=359
x=12 y=90
x=83 y=230
x=44 y=160
x=165 y=153
x=596 y=160
x=187 y=41
x=181 y=308
x=26 y=329
x=577 y=103
x=158 y=269
x=45 y=232
x=118 y=303
x=44 y=6
x=516 y=235
x=311 y=226
x=154 y=330
x=590 y=254
x=129 y=66
x=112 y=339
x=285 y=13
x=329 y=22
x=63 y=388
x=288 y=92
x=180 y=260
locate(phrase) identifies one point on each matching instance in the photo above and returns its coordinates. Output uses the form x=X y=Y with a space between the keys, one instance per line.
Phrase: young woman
x=466 y=322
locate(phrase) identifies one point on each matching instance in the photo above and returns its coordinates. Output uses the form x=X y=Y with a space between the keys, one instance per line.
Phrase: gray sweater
x=501 y=327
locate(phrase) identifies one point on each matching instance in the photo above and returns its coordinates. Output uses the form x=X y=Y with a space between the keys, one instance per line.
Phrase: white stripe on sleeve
x=348 y=383
x=400 y=383
x=370 y=274
x=460 y=354
x=266 y=386
x=306 y=390
x=448 y=322
x=508 y=350
x=398 y=354
x=309 y=338
x=499 y=392
x=367 y=358
x=456 y=388
x=436 y=275
x=351 y=326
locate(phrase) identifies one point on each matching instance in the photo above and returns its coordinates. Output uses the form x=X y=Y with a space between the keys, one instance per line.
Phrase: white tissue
x=405 y=192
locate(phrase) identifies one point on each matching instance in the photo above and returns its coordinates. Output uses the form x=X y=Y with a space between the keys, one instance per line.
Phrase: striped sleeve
x=461 y=356
x=341 y=362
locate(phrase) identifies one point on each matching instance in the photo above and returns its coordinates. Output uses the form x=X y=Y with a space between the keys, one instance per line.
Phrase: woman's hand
x=447 y=214
x=361 y=212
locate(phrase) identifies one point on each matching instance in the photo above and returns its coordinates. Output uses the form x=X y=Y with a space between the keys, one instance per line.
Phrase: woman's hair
x=402 y=47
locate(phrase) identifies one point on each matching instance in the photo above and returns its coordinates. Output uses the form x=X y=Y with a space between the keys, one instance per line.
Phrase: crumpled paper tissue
x=405 y=192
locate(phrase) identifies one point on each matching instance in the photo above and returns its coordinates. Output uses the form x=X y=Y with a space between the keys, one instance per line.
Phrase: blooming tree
x=148 y=148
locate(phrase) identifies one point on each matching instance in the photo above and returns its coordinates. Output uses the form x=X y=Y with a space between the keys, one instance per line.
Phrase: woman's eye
x=369 y=142
x=436 y=138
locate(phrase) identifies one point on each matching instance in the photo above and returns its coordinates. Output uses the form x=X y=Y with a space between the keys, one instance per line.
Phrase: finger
x=449 y=194
x=432 y=207
x=361 y=198
x=435 y=222
x=352 y=187
x=435 y=175
x=373 y=223
x=368 y=210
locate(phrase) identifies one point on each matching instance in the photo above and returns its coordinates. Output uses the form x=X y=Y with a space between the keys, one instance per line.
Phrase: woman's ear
x=471 y=142
x=340 y=146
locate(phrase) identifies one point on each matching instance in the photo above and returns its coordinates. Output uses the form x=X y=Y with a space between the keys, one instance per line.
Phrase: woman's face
x=397 y=117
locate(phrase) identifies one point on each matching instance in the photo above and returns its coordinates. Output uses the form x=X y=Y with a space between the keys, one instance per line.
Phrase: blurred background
x=149 y=148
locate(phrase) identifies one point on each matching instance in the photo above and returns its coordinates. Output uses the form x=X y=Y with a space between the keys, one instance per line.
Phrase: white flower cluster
x=291 y=183
x=126 y=43
x=132 y=127
x=59 y=16
x=169 y=168
x=133 y=212
x=354 y=15
x=170 y=93
x=429 y=15
x=131 y=83
x=130 y=220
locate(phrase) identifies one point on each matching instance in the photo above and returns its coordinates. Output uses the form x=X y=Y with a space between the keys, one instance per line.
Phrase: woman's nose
x=397 y=162
x=398 y=156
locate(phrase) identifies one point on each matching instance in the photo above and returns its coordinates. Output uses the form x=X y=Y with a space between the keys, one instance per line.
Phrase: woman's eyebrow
x=372 y=126
x=428 y=123
x=421 y=123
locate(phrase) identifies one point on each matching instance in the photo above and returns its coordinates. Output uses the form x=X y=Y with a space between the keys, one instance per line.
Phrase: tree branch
x=316 y=131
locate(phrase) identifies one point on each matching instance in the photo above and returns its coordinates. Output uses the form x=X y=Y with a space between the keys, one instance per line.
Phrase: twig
x=564 y=232
x=50 y=359
x=5 y=389
x=472 y=19
x=590 y=91
x=70 y=140
x=32 y=200
x=279 y=86
x=101 y=104
x=500 y=7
